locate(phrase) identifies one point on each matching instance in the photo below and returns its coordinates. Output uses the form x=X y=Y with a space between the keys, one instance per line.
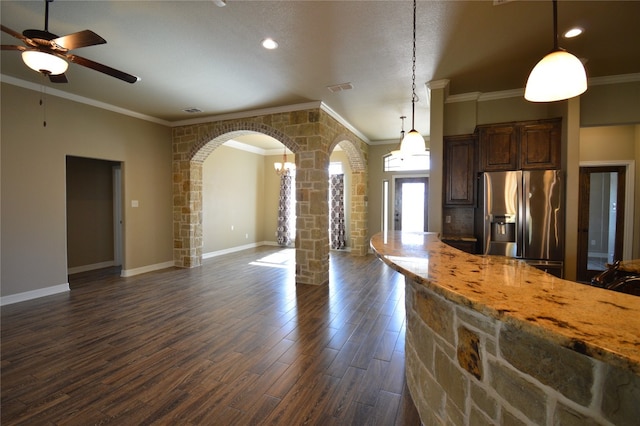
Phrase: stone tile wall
x=465 y=368
x=311 y=135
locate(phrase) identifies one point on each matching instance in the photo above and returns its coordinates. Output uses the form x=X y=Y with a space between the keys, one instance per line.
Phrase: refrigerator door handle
x=520 y=220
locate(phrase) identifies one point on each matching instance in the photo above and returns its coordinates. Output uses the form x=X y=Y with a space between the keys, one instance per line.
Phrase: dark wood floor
x=234 y=342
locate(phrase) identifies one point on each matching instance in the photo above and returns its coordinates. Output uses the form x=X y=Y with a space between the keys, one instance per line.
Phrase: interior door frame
x=392 y=198
x=118 y=219
x=627 y=240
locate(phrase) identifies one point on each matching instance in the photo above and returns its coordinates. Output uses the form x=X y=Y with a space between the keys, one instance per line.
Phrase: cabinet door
x=540 y=145
x=498 y=148
x=466 y=246
x=459 y=170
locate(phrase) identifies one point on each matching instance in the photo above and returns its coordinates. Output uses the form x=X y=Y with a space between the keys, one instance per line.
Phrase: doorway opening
x=601 y=218
x=410 y=209
x=94 y=219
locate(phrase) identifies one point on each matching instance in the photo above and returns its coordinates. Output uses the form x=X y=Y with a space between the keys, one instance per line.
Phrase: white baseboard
x=238 y=248
x=33 y=294
x=92 y=267
x=145 y=269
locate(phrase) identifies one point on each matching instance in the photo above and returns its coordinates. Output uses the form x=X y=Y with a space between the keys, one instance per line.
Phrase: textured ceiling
x=196 y=54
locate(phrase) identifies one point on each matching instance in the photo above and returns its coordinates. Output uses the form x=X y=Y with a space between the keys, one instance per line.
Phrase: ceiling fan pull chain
x=43 y=103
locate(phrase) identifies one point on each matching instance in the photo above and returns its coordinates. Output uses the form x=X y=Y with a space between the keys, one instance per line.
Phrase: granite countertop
x=602 y=324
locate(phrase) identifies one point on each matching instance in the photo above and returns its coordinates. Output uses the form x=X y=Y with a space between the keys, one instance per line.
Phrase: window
x=396 y=163
x=335 y=169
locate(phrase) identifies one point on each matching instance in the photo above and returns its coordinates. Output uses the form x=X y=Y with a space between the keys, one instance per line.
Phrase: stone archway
x=307 y=133
x=188 y=156
x=359 y=195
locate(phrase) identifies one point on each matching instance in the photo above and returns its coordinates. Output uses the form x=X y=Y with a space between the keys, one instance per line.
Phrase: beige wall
x=33 y=251
x=609 y=104
x=250 y=203
x=233 y=199
x=33 y=216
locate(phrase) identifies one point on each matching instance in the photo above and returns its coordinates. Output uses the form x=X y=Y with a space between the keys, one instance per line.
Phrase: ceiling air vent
x=340 y=87
x=192 y=110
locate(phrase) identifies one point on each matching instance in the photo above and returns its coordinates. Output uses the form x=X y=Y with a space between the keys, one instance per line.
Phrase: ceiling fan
x=47 y=53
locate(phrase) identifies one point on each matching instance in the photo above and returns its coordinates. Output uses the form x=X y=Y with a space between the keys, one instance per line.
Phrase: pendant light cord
x=413 y=77
x=555 y=25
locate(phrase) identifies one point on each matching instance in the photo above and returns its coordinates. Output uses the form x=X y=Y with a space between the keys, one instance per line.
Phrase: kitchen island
x=491 y=340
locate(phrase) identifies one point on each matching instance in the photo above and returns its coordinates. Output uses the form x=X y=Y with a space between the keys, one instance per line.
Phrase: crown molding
x=516 y=93
x=614 y=79
x=324 y=107
x=80 y=99
x=463 y=97
x=200 y=120
x=247 y=114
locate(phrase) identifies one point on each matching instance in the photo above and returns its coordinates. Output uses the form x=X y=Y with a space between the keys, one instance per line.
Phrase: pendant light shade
x=558 y=76
x=44 y=62
x=413 y=143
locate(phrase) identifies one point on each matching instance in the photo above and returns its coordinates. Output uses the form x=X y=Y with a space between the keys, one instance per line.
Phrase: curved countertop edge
x=602 y=324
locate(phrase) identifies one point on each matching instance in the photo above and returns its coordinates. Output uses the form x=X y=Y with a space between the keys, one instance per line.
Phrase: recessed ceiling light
x=269 y=43
x=573 y=32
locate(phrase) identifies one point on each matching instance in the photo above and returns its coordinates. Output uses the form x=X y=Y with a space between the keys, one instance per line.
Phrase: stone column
x=312 y=215
x=187 y=203
x=359 y=217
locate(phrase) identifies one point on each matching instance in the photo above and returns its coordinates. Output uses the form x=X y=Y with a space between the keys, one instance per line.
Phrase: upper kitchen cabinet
x=526 y=145
x=540 y=145
x=498 y=147
x=459 y=170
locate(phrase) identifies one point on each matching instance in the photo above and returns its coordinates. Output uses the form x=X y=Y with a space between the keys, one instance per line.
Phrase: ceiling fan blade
x=102 y=68
x=80 y=39
x=13 y=33
x=58 y=78
x=10 y=47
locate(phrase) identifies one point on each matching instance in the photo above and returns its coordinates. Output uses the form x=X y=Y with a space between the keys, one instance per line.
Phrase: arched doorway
x=307 y=133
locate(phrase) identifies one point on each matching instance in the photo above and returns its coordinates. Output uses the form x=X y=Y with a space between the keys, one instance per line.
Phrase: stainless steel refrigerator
x=523 y=217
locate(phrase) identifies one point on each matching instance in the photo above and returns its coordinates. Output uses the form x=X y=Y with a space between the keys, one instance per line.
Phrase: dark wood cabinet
x=540 y=145
x=459 y=170
x=526 y=145
x=498 y=148
x=466 y=246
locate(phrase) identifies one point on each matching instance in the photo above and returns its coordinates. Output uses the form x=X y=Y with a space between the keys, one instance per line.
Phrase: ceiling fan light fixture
x=558 y=76
x=43 y=62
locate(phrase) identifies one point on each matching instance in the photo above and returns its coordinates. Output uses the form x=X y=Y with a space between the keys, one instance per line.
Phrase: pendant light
x=285 y=167
x=413 y=142
x=558 y=76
